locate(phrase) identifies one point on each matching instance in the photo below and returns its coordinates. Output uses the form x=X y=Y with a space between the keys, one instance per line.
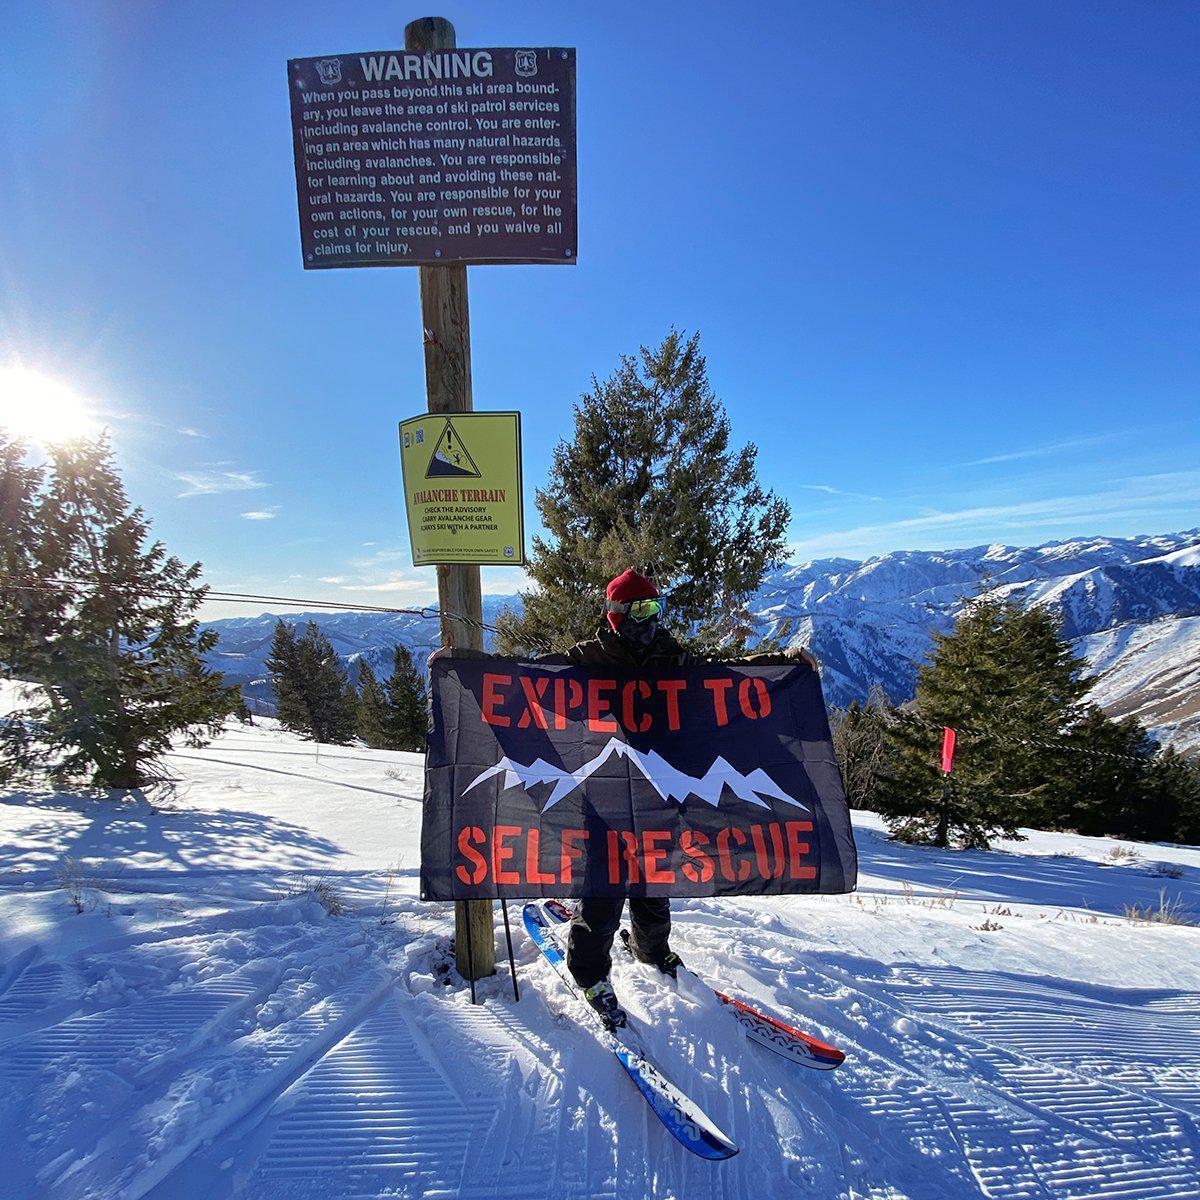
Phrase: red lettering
x=719 y=687
x=492 y=699
x=598 y=705
x=466 y=835
x=565 y=700
x=760 y=850
x=534 y=690
x=571 y=853
x=501 y=853
x=560 y=703
x=672 y=688
x=532 y=873
x=642 y=688
x=629 y=853
x=759 y=687
x=726 y=859
x=614 y=857
x=653 y=855
x=798 y=849
x=701 y=870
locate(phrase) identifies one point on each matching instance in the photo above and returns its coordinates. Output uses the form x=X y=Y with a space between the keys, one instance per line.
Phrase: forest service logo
x=526 y=63
x=329 y=71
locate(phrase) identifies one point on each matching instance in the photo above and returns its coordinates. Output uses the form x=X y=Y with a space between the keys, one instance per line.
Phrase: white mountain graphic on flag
x=669 y=782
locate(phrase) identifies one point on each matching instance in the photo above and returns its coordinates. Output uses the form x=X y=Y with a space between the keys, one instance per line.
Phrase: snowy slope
x=203 y=1029
x=872 y=622
x=1151 y=671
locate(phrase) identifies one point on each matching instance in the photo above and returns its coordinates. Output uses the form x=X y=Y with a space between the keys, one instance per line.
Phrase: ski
x=770 y=1033
x=680 y=1115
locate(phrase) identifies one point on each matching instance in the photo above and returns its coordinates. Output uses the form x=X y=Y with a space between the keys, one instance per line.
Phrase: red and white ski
x=780 y=1038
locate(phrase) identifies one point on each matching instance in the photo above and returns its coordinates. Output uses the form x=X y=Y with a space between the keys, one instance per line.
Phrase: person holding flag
x=632 y=634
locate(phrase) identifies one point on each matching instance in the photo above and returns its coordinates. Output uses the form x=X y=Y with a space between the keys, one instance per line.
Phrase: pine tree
x=407 y=721
x=1009 y=684
x=287 y=684
x=861 y=746
x=372 y=708
x=650 y=480
x=332 y=705
x=113 y=635
x=24 y=621
x=1174 y=791
x=23 y=596
x=313 y=695
x=1104 y=784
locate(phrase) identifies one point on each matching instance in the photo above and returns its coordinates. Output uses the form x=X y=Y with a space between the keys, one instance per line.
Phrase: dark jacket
x=607 y=648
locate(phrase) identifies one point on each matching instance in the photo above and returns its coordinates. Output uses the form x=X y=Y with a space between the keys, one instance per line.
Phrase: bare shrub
x=328 y=898
x=390 y=878
x=320 y=890
x=1166 y=912
x=71 y=879
x=1121 y=854
x=988 y=926
x=1161 y=870
x=940 y=898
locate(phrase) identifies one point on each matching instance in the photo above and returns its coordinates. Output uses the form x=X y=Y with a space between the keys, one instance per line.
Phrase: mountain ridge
x=871 y=621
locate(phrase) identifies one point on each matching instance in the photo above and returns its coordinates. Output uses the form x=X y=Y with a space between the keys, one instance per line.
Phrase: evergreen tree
x=1009 y=684
x=1104 y=784
x=24 y=595
x=287 y=684
x=372 y=707
x=861 y=746
x=1174 y=790
x=332 y=704
x=650 y=480
x=407 y=721
x=24 y=621
x=112 y=633
x=313 y=695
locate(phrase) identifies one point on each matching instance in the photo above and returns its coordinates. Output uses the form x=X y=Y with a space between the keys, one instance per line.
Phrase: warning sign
x=451 y=457
x=462 y=488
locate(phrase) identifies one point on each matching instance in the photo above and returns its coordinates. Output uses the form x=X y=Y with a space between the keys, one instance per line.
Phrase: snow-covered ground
x=203 y=1028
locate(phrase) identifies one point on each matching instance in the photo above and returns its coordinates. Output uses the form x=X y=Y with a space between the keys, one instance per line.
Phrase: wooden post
x=445 y=322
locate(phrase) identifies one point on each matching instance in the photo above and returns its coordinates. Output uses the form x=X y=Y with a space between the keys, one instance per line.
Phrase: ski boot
x=668 y=964
x=604 y=1000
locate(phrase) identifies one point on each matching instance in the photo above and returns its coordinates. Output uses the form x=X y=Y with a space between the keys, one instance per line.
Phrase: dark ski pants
x=595 y=924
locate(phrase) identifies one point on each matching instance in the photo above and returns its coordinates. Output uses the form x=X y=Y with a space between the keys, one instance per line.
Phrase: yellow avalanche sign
x=462 y=488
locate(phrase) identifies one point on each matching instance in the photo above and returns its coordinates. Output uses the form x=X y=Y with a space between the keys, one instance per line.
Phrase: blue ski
x=683 y=1118
x=785 y=1040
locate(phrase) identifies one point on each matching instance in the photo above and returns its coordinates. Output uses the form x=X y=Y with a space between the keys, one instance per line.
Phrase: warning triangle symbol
x=451 y=457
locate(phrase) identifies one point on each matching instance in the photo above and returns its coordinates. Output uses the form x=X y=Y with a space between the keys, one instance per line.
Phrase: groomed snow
x=204 y=1029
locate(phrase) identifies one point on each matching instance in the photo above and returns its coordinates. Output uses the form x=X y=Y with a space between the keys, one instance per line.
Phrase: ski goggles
x=639 y=610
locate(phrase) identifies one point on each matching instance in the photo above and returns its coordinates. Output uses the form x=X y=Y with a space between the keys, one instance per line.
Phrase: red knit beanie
x=629 y=585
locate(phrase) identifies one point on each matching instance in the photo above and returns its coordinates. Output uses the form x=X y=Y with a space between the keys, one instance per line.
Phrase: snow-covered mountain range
x=1131 y=606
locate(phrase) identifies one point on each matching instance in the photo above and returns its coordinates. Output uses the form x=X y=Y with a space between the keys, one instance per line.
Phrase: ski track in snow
x=200 y=1035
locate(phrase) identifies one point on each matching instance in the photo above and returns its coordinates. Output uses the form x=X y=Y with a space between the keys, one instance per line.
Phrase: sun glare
x=36 y=408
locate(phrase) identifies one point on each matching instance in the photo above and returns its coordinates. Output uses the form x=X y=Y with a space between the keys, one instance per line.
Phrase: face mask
x=639 y=635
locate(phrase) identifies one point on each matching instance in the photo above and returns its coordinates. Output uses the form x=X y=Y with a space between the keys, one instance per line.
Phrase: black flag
x=548 y=780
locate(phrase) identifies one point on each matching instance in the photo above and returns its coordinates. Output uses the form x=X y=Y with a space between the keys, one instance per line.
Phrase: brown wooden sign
x=444 y=156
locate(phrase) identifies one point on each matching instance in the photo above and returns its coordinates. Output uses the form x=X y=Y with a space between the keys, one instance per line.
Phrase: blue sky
x=943 y=258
